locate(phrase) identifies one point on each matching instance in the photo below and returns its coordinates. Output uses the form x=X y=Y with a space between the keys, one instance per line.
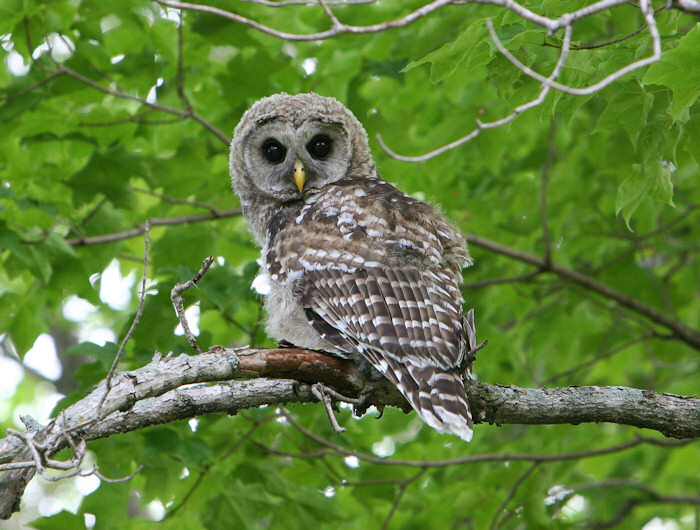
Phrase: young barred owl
x=353 y=265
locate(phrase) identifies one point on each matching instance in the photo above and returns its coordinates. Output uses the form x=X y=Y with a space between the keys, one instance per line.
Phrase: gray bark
x=171 y=389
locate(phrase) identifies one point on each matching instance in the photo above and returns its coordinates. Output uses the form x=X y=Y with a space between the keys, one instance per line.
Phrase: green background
x=82 y=154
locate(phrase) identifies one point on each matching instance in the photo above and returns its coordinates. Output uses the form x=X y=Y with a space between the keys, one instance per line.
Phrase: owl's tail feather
x=436 y=394
x=439 y=399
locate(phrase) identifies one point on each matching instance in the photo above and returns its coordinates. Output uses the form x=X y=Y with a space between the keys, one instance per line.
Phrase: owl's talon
x=362 y=403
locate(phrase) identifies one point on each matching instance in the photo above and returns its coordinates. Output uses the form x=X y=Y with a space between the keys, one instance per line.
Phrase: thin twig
x=486 y=457
x=208 y=467
x=175 y=200
x=29 y=89
x=610 y=42
x=524 y=278
x=497 y=517
x=318 y=390
x=134 y=322
x=397 y=499
x=96 y=472
x=648 y=13
x=681 y=330
x=639 y=486
x=543 y=195
x=178 y=304
x=286 y=3
x=480 y=126
x=334 y=20
x=164 y=221
x=180 y=74
x=334 y=31
x=597 y=358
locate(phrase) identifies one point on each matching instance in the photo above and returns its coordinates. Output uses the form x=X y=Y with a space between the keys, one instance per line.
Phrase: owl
x=352 y=265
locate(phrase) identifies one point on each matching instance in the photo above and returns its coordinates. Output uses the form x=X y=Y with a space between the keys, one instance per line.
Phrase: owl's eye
x=274 y=151
x=319 y=146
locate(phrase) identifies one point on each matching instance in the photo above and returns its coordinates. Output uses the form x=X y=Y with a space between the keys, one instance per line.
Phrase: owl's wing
x=407 y=322
x=376 y=272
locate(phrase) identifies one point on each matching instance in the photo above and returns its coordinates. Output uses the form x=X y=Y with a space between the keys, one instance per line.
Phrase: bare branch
x=163 y=221
x=682 y=331
x=134 y=322
x=176 y=297
x=596 y=87
x=165 y=390
x=674 y=416
x=480 y=126
x=338 y=29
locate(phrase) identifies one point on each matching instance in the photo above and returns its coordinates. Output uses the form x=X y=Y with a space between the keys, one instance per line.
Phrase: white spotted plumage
x=354 y=266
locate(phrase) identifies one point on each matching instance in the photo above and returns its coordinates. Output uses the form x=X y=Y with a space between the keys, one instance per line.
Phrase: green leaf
x=60 y=521
x=628 y=107
x=675 y=72
x=471 y=46
x=645 y=182
x=104 y=354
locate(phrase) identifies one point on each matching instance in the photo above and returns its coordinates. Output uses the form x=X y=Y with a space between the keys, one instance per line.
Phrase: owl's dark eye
x=273 y=151
x=319 y=146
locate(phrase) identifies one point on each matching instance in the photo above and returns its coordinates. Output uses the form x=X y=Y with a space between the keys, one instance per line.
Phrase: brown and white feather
x=356 y=266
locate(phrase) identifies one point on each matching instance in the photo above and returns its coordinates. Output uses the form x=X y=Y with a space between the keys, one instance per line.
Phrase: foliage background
x=124 y=116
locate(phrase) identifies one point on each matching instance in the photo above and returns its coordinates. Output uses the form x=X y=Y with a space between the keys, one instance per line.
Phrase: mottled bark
x=167 y=390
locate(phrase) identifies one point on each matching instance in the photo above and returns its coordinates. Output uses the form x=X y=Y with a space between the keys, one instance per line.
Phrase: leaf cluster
x=120 y=114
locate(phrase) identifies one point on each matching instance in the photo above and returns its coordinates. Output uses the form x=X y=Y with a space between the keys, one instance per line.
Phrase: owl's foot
x=470 y=357
x=285 y=344
x=362 y=403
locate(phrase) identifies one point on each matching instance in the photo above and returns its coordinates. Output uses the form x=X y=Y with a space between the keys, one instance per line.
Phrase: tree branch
x=164 y=221
x=680 y=330
x=155 y=394
x=337 y=29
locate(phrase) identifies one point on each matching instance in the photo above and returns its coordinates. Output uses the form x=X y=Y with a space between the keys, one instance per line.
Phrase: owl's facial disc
x=285 y=159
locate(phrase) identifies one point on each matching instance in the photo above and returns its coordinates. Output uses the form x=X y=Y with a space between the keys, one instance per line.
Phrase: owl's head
x=286 y=146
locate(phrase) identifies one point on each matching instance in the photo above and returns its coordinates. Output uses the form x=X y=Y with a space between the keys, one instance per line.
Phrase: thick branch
x=155 y=394
x=674 y=416
x=161 y=383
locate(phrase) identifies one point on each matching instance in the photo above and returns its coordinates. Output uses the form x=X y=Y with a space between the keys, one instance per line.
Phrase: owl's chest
x=286 y=319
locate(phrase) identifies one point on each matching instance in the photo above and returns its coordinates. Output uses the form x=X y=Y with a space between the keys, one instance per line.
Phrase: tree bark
x=167 y=390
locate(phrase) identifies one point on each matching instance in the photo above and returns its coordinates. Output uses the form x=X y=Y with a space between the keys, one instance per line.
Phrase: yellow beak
x=299 y=174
